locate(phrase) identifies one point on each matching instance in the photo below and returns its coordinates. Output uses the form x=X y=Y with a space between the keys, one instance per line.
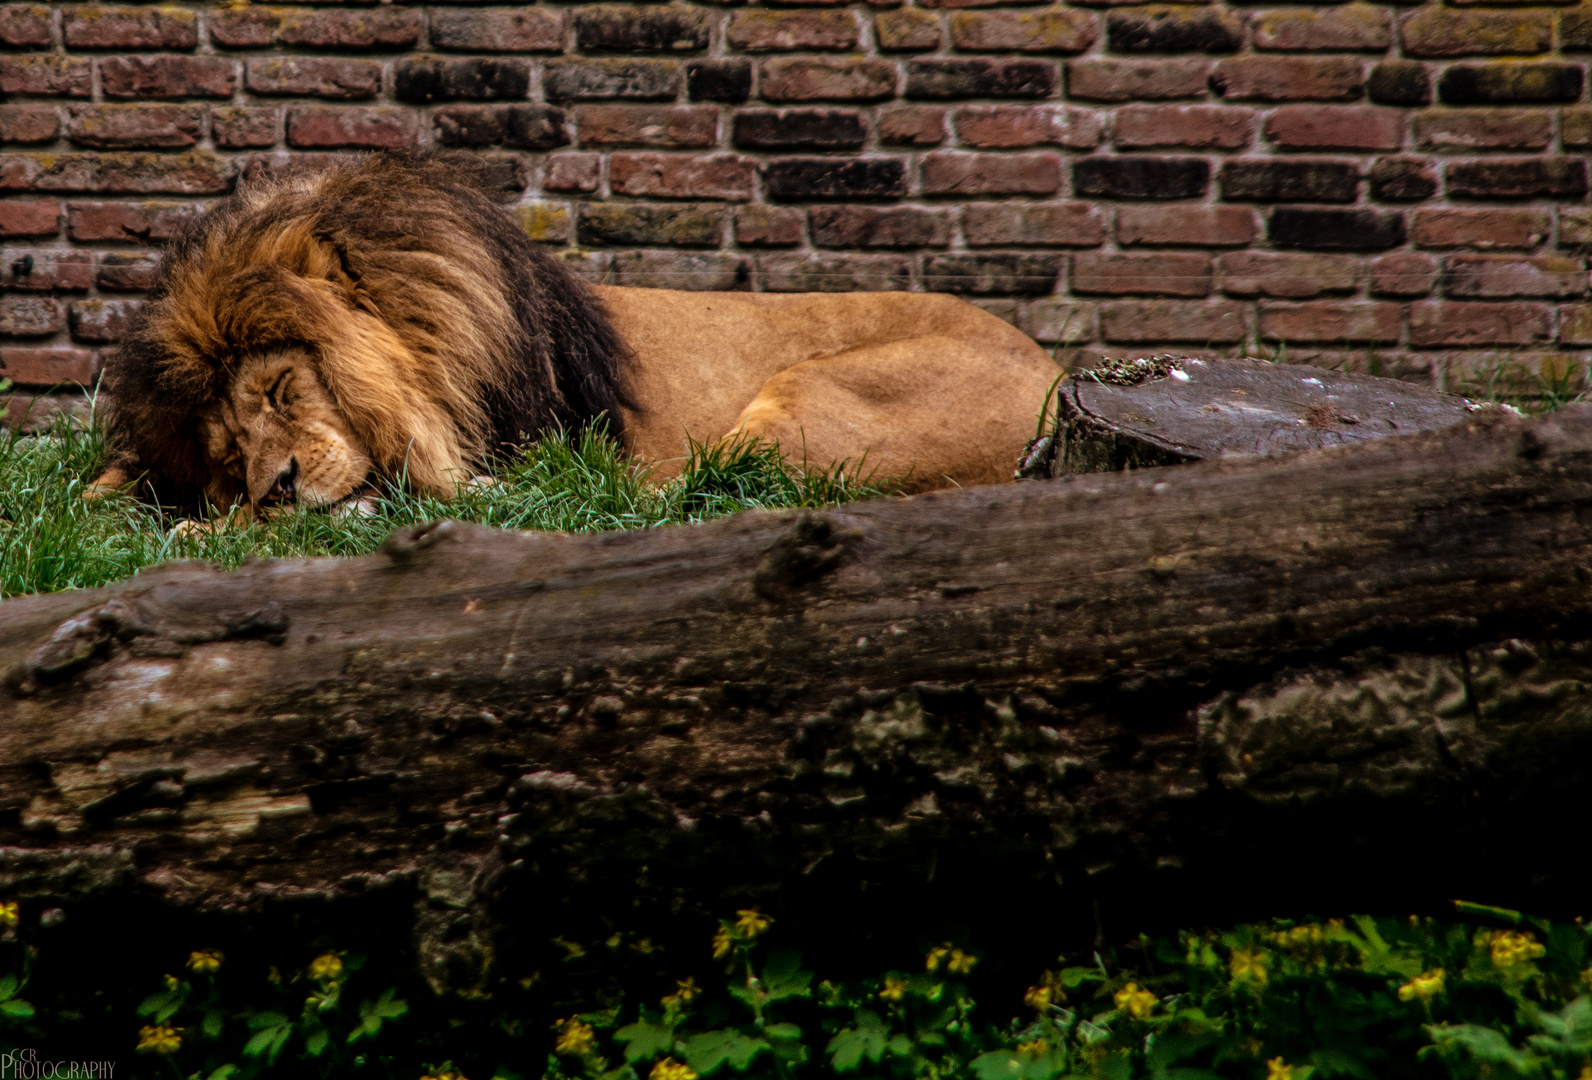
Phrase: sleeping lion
x=384 y=320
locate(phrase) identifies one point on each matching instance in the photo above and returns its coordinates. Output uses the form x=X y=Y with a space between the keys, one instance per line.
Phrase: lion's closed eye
x=279 y=394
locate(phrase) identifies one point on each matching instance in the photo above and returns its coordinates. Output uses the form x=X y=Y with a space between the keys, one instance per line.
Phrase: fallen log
x=1348 y=677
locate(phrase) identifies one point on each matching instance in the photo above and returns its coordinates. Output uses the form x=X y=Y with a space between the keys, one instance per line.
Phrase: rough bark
x=1355 y=676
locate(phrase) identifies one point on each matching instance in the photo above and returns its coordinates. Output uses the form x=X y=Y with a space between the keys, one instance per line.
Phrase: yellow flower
x=1038 y=997
x=159 y=1039
x=723 y=942
x=1035 y=1047
x=894 y=989
x=1511 y=950
x=670 y=1069
x=575 y=1037
x=1277 y=1070
x=448 y=1075
x=327 y=967
x=9 y=916
x=1586 y=1073
x=171 y=982
x=1248 y=965
x=1137 y=1003
x=1423 y=988
x=752 y=922
x=686 y=990
x=937 y=956
x=204 y=962
x=960 y=963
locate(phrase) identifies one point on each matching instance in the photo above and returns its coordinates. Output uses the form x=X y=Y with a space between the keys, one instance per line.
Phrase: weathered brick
x=1288 y=78
x=647 y=125
x=1001 y=127
x=682 y=176
x=24 y=26
x=796 y=272
x=992 y=274
x=46 y=270
x=1435 y=32
x=1506 y=83
x=546 y=223
x=30 y=218
x=102 y=321
x=1161 y=274
x=1169 y=28
x=949 y=172
x=1058 y=321
x=1330 y=321
x=1492 y=129
x=879 y=227
x=376 y=28
x=30 y=316
x=138 y=222
x=1450 y=322
x=1575 y=127
x=574 y=173
x=1136 y=177
x=713 y=271
x=314 y=76
x=1336 y=127
x=243 y=128
x=949 y=79
x=1287 y=277
x=1403 y=275
x=912 y=125
x=127 y=271
x=762 y=30
x=46 y=75
x=1289 y=180
x=822 y=78
x=907 y=30
x=1403 y=179
x=623 y=28
x=1575 y=324
x=1010 y=224
x=47 y=367
x=835 y=178
x=1136 y=80
x=1191 y=226
x=1575 y=29
x=1219 y=322
x=1516 y=178
x=134 y=127
x=1399 y=82
x=372 y=127
x=193 y=173
x=1575 y=226
x=243 y=27
x=1050 y=30
x=33 y=413
x=1334 y=230
x=799 y=129
x=434 y=78
x=728 y=81
x=166 y=76
x=1206 y=127
x=28 y=123
x=1356 y=27
x=1441 y=228
x=630 y=224
x=524 y=127
x=1493 y=276
x=509 y=30
x=768 y=226
x=93 y=27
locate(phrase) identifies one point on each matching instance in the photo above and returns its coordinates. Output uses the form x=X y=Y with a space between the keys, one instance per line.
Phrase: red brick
x=1286 y=276
x=1355 y=27
x=1164 y=274
x=244 y=27
x=129 y=28
x=375 y=28
x=1290 y=78
x=647 y=125
x=1575 y=324
x=1480 y=228
x=374 y=127
x=134 y=127
x=574 y=173
x=818 y=78
x=1217 y=127
x=1049 y=30
x=337 y=78
x=193 y=173
x=1434 y=32
x=912 y=125
x=762 y=30
x=128 y=271
x=47 y=367
x=879 y=227
x=1484 y=129
x=52 y=270
x=46 y=75
x=1191 y=226
x=1403 y=275
x=28 y=123
x=1461 y=322
x=30 y=218
x=681 y=176
x=166 y=76
x=907 y=30
x=102 y=321
x=1165 y=79
x=1006 y=126
x=25 y=26
x=510 y=30
x=30 y=413
x=1576 y=127
x=1492 y=276
x=1336 y=127
x=242 y=128
x=1219 y=322
x=1331 y=321
x=946 y=172
x=1033 y=224
x=768 y=226
x=139 y=222
x=30 y=316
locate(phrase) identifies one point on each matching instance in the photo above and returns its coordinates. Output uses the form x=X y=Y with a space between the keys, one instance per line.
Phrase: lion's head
x=381 y=320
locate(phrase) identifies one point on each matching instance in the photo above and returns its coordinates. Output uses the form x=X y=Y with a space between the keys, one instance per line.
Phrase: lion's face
x=279 y=436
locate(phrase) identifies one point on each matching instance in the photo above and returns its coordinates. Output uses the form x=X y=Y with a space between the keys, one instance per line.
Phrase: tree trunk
x=1355 y=676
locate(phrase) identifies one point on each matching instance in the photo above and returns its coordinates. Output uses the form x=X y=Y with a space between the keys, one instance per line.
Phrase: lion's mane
x=441 y=331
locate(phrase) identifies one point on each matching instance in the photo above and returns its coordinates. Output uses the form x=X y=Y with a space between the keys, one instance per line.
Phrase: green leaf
x=866 y=1040
x=1484 y=1045
x=1074 y=977
x=707 y=1051
x=16 y=1009
x=317 y=1043
x=998 y=1065
x=263 y=1020
x=260 y=1043
x=223 y=1073
x=213 y=1021
x=784 y=978
x=9 y=987
x=645 y=1041
x=785 y=1032
x=160 y=1005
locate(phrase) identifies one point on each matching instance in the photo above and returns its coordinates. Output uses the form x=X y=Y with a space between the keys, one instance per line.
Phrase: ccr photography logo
x=27 y=1065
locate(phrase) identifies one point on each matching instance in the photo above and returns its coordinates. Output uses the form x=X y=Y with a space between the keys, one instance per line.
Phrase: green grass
x=51 y=538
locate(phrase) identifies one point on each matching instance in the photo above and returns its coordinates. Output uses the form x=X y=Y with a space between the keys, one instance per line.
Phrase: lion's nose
x=285 y=491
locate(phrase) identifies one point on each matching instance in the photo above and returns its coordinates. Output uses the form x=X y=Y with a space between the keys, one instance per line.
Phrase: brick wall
x=1400 y=187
